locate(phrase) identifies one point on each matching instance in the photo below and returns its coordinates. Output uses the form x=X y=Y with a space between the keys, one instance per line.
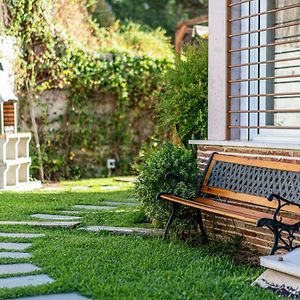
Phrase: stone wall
x=222 y=227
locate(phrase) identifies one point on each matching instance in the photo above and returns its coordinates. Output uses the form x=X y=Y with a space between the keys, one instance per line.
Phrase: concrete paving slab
x=15 y=255
x=42 y=223
x=69 y=296
x=80 y=188
x=55 y=217
x=22 y=281
x=21 y=235
x=75 y=212
x=110 y=188
x=94 y=207
x=15 y=246
x=119 y=203
x=53 y=189
x=126 y=179
x=124 y=230
x=17 y=268
x=288 y=263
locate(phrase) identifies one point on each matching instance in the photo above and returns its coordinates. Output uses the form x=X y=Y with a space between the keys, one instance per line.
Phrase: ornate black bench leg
x=199 y=221
x=276 y=239
x=171 y=219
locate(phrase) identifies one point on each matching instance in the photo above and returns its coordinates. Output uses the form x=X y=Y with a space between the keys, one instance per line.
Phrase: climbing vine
x=50 y=59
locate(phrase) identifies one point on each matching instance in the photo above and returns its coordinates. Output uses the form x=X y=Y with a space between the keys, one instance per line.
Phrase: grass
x=104 y=266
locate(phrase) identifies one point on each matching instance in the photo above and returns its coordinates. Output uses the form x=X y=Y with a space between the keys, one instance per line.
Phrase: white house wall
x=217 y=71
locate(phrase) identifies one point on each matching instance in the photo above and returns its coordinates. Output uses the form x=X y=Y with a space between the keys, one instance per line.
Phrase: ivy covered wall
x=107 y=78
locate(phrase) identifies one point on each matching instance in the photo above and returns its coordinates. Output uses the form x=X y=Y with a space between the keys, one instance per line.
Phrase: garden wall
x=222 y=227
x=82 y=134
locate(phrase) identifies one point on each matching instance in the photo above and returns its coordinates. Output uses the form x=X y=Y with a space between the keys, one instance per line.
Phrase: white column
x=217 y=90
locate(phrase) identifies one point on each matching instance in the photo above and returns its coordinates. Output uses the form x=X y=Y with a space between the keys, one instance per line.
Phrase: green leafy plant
x=184 y=102
x=87 y=61
x=151 y=180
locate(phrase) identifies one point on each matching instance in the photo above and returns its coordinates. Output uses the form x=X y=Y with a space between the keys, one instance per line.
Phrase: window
x=263 y=70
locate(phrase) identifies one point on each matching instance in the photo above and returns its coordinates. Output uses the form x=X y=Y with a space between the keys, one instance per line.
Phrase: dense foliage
x=151 y=179
x=156 y=13
x=183 y=104
x=87 y=60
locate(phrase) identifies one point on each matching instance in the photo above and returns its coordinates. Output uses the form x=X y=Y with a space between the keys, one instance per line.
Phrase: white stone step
x=23 y=281
x=288 y=263
x=55 y=217
x=42 y=223
x=21 y=235
x=94 y=207
x=15 y=246
x=69 y=296
x=15 y=255
x=17 y=268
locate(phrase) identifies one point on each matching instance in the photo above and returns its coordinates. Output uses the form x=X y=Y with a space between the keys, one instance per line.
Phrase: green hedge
x=151 y=180
x=184 y=103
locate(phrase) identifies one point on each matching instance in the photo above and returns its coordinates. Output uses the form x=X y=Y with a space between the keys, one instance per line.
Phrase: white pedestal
x=282 y=274
x=15 y=162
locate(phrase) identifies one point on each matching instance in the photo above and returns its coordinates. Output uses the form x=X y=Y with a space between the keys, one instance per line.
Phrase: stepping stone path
x=55 y=217
x=124 y=230
x=69 y=296
x=23 y=268
x=15 y=246
x=94 y=207
x=43 y=224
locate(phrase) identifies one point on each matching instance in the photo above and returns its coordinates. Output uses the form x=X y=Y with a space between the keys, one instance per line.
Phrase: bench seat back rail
x=252 y=181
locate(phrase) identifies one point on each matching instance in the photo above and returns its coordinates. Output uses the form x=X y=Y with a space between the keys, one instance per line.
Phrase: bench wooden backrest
x=251 y=180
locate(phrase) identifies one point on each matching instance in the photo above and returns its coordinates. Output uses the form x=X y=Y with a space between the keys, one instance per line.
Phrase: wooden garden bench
x=265 y=193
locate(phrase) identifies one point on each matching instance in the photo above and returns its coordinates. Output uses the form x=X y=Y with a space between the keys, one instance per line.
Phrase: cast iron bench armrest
x=277 y=226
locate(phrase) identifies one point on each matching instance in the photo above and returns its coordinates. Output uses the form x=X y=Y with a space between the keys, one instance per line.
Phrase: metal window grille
x=263 y=70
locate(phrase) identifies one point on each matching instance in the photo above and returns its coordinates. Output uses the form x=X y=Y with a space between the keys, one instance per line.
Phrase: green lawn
x=103 y=266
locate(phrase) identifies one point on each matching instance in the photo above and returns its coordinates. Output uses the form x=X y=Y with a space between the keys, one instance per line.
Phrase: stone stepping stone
x=69 y=296
x=15 y=246
x=71 y=211
x=126 y=179
x=119 y=203
x=52 y=189
x=22 y=281
x=94 y=207
x=125 y=230
x=55 y=217
x=110 y=188
x=42 y=224
x=21 y=235
x=15 y=255
x=80 y=188
x=17 y=268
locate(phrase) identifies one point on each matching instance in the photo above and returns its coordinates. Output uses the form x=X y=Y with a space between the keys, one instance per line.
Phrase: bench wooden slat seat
x=274 y=187
x=225 y=209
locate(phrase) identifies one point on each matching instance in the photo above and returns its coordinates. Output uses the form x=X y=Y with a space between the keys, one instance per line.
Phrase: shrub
x=183 y=104
x=151 y=180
